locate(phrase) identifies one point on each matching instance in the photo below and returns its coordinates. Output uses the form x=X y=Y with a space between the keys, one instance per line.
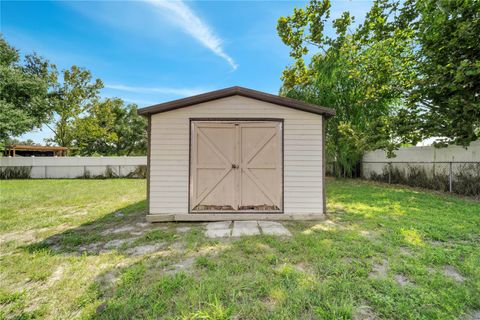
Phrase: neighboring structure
x=17 y=150
x=236 y=154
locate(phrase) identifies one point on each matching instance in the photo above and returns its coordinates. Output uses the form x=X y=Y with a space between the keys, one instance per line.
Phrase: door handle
x=235 y=166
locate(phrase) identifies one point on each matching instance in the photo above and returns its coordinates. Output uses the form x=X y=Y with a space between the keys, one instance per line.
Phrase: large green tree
x=446 y=96
x=70 y=100
x=408 y=72
x=110 y=128
x=361 y=74
x=24 y=91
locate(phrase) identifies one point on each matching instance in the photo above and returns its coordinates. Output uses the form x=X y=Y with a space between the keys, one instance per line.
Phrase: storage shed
x=236 y=154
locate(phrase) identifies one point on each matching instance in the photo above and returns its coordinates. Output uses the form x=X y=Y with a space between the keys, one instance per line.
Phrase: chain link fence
x=455 y=177
x=460 y=177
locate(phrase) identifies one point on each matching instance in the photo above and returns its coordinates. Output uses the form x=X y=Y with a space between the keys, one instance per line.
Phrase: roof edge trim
x=228 y=92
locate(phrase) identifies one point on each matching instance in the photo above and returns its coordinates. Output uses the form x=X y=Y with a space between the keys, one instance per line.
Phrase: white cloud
x=184 y=92
x=185 y=17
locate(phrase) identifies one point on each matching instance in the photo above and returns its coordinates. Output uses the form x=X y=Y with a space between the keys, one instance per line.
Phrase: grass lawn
x=81 y=249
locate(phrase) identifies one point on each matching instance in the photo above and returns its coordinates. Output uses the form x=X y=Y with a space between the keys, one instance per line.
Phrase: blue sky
x=148 y=52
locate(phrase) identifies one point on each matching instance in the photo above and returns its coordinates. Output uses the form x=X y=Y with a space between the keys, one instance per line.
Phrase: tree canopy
x=33 y=93
x=111 y=128
x=70 y=100
x=409 y=71
x=24 y=92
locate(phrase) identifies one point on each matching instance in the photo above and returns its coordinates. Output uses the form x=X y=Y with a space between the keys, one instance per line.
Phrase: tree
x=447 y=87
x=110 y=128
x=70 y=100
x=28 y=142
x=24 y=91
x=131 y=130
x=410 y=71
x=361 y=74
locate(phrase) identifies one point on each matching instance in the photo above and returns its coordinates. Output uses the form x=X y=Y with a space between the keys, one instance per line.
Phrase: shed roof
x=232 y=91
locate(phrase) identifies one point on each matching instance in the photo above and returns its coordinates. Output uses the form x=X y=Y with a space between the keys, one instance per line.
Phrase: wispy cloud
x=184 y=92
x=192 y=24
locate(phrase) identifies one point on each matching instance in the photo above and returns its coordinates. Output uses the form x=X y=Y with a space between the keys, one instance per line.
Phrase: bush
x=139 y=172
x=15 y=173
x=465 y=180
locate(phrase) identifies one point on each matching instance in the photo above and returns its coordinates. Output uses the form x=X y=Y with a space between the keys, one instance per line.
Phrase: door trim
x=190 y=127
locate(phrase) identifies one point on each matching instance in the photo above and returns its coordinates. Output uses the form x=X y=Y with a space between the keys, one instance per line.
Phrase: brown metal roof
x=36 y=148
x=232 y=91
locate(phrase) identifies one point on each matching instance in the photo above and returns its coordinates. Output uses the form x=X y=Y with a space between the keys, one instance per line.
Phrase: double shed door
x=236 y=166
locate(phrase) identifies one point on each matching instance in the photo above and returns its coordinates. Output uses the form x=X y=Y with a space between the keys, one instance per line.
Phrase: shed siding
x=303 y=175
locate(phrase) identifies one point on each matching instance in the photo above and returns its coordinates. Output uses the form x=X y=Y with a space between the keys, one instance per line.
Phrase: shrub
x=465 y=180
x=23 y=172
x=139 y=172
x=108 y=174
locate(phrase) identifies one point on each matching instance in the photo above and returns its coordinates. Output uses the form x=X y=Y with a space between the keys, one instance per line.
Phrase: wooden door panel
x=213 y=152
x=236 y=166
x=261 y=167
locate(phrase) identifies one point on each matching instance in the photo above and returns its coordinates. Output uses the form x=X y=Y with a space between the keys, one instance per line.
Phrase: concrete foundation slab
x=218 y=225
x=268 y=224
x=276 y=231
x=245 y=228
x=218 y=233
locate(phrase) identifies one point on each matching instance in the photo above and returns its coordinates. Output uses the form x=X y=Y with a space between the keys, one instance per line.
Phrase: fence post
x=389 y=173
x=450 y=180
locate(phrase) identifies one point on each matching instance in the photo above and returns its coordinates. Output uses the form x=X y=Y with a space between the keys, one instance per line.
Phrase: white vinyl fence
x=430 y=158
x=73 y=167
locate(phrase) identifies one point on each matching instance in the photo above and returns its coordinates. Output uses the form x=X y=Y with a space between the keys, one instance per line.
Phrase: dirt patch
x=107 y=281
x=370 y=235
x=56 y=276
x=138 y=233
x=436 y=243
x=212 y=250
x=327 y=225
x=91 y=248
x=145 y=249
x=177 y=247
x=452 y=273
x=119 y=229
x=181 y=266
x=364 y=312
x=116 y=243
x=183 y=229
x=22 y=236
x=379 y=270
x=27 y=236
x=303 y=268
x=405 y=251
x=143 y=224
x=402 y=280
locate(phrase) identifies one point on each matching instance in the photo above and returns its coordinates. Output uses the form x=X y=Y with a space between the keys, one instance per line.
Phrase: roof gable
x=232 y=91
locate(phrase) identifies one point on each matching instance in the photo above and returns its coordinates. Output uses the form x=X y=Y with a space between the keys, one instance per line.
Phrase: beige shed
x=236 y=154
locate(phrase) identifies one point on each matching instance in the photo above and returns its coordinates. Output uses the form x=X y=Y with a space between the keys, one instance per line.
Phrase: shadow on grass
x=114 y=231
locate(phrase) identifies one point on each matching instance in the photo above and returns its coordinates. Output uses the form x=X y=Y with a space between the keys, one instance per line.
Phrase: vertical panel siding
x=303 y=184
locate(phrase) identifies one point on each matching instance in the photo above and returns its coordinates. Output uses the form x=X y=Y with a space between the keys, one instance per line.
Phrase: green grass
x=69 y=249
